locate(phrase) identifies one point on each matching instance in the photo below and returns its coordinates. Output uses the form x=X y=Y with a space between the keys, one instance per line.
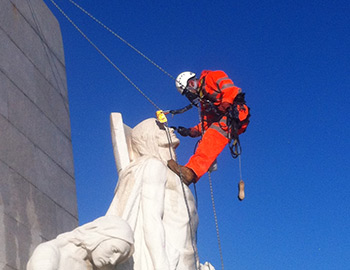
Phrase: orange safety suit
x=217 y=93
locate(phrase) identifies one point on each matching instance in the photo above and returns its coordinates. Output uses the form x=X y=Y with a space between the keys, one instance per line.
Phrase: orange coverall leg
x=211 y=145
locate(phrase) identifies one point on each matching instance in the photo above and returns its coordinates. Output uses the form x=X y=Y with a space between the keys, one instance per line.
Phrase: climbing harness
x=237 y=123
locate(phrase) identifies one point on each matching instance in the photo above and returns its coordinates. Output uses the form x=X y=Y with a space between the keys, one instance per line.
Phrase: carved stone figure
x=100 y=244
x=153 y=201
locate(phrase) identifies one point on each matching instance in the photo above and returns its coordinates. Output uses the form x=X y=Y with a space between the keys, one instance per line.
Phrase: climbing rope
x=216 y=220
x=240 y=167
x=194 y=247
x=212 y=198
x=120 y=38
x=105 y=56
x=158 y=108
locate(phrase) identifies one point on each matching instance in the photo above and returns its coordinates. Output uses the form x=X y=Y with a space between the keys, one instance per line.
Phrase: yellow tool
x=161 y=116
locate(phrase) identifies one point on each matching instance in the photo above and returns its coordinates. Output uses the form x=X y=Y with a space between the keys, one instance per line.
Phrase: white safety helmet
x=182 y=79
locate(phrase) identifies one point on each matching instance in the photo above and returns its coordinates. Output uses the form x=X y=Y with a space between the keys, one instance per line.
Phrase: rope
x=105 y=56
x=120 y=38
x=195 y=250
x=212 y=199
x=158 y=108
x=216 y=221
x=240 y=166
x=123 y=40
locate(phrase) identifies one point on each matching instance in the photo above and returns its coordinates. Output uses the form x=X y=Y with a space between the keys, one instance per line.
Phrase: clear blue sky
x=290 y=57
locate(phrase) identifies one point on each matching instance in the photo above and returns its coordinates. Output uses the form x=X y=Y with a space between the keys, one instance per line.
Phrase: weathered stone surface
x=40 y=130
x=31 y=40
x=37 y=187
x=17 y=242
x=46 y=20
x=3 y=266
x=55 y=183
x=30 y=162
x=3 y=95
x=65 y=221
x=26 y=77
x=29 y=205
x=16 y=150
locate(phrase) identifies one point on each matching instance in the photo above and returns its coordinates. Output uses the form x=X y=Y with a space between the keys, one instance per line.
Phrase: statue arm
x=152 y=203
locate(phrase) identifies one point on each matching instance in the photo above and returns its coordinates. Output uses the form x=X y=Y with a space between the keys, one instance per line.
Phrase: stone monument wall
x=37 y=186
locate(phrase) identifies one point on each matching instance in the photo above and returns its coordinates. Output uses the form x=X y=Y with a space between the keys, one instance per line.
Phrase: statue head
x=108 y=240
x=150 y=136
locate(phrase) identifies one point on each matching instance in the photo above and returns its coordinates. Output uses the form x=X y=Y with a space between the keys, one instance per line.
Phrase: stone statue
x=100 y=244
x=152 y=199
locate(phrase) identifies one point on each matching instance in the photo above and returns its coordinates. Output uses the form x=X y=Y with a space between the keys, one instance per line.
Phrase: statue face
x=162 y=137
x=110 y=252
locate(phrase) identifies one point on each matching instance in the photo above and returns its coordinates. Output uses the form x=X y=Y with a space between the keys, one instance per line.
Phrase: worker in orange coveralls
x=216 y=93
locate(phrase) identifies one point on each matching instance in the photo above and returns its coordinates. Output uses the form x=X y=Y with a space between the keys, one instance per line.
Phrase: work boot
x=185 y=173
x=241 y=194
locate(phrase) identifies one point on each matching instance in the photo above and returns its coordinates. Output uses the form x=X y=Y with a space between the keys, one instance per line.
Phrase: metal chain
x=105 y=56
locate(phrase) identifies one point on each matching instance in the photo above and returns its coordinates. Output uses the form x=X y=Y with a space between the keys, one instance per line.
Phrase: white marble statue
x=150 y=197
x=100 y=244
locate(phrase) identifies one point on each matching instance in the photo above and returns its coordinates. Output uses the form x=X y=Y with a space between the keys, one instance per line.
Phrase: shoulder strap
x=201 y=88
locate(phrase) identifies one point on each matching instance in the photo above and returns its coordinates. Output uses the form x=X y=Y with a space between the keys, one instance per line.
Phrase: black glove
x=183 y=131
x=173 y=112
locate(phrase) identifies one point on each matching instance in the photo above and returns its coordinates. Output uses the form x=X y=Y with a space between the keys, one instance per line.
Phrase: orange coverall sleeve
x=224 y=85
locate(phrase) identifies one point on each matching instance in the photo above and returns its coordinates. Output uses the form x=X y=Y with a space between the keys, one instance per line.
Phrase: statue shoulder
x=45 y=256
x=155 y=169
